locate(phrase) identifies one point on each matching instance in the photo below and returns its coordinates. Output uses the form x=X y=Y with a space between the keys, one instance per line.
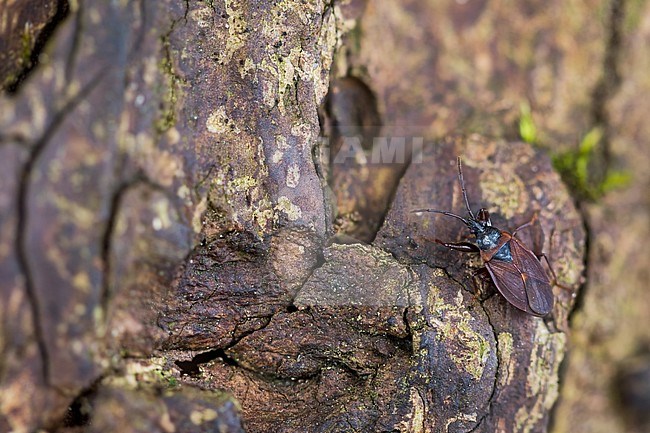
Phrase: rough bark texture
x=179 y=251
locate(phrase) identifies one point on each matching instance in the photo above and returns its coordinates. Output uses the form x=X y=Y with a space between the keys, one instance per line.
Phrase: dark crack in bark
x=607 y=86
x=22 y=249
x=107 y=236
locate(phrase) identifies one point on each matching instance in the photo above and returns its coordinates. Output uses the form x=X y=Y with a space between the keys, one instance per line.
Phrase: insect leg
x=483 y=286
x=550 y=268
x=536 y=234
x=464 y=247
x=483 y=274
x=532 y=221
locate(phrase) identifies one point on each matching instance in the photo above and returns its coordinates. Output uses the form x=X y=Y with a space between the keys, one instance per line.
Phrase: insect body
x=515 y=269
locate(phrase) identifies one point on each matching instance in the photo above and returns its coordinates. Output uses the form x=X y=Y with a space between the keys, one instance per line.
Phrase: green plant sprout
x=574 y=165
x=527 y=128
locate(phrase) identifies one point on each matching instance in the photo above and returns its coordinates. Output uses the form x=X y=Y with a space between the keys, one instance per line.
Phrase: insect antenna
x=444 y=213
x=462 y=187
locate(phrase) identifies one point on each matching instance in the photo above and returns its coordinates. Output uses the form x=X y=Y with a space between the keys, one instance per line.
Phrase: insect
x=515 y=270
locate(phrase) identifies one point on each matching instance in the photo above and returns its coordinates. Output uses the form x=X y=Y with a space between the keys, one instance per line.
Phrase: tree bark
x=177 y=250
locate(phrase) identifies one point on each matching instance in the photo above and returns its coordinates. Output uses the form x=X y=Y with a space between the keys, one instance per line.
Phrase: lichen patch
x=292 y=211
x=218 y=122
x=293 y=176
x=454 y=324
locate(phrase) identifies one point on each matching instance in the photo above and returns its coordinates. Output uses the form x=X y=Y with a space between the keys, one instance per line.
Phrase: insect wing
x=538 y=286
x=525 y=285
x=509 y=283
x=540 y=296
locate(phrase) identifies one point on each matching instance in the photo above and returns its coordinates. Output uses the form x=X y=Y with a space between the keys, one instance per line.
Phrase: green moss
x=576 y=166
x=141 y=372
x=165 y=377
x=169 y=93
x=26 y=47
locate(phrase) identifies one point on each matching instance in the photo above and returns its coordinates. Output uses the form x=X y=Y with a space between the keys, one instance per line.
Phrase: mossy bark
x=177 y=250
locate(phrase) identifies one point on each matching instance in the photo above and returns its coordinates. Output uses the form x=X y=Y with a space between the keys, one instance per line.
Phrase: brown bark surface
x=180 y=249
x=607 y=378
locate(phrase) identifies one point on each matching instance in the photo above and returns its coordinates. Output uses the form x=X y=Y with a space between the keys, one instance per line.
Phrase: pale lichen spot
x=477 y=151
x=99 y=130
x=150 y=70
x=8 y=114
x=81 y=282
x=144 y=143
x=166 y=423
x=506 y=192
x=162 y=219
x=39 y=114
x=277 y=156
x=203 y=17
x=173 y=135
x=292 y=211
x=198 y=417
x=293 y=176
x=415 y=419
x=55 y=171
x=268 y=93
x=462 y=417
x=242 y=183
x=304 y=131
x=218 y=122
x=544 y=362
x=166 y=167
x=245 y=69
x=237 y=33
x=98 y=316
x=210 y=415
x=506 y=365
x=197 y=215
x=183 y=192
x=13 y=304
x=78 y=347
x=95 y=15
x=157 y=224
x=321 y=81
x=281 y=142
x=263 y=213
x=74 y=88
x=79 y=309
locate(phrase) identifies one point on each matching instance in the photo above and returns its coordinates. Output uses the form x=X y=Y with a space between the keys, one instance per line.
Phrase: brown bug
x=515 y=270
